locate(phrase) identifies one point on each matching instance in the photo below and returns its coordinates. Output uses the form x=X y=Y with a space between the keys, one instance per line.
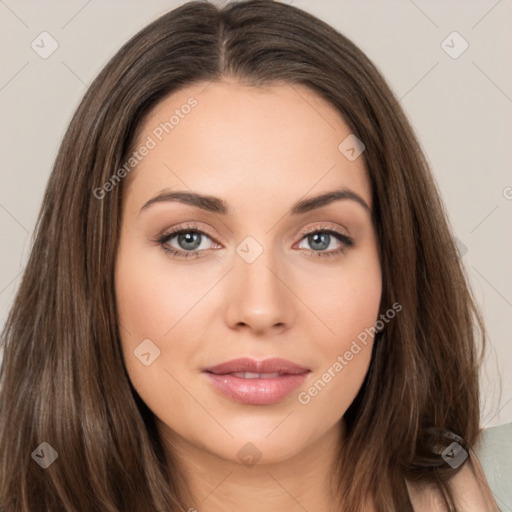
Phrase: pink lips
x=239 y=380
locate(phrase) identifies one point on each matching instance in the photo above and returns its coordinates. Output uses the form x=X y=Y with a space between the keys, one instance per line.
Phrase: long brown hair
x=63 y=380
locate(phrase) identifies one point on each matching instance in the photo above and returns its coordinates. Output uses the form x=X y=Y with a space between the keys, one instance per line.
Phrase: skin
x=260 y=150
x=253 y=147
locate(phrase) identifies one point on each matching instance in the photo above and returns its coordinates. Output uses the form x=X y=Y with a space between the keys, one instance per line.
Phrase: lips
x=252 y=375
x=273 y=365
x=252 y=382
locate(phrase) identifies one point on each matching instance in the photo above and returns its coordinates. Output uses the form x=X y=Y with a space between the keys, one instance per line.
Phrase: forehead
x=273 y=143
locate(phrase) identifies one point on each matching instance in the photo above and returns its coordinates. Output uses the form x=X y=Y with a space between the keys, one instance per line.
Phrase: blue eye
x=189 y=240
x=320 y=240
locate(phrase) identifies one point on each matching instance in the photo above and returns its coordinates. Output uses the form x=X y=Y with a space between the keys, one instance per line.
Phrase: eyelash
x=346 y=241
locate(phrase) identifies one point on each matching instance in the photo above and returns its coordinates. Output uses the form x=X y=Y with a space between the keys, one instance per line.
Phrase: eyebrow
x=217 y=205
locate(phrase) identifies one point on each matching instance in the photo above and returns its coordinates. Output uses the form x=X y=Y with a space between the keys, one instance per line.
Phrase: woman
x=243 y=291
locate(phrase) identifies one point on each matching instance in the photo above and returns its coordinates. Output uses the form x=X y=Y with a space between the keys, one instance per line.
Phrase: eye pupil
x=190 y=237
x=319 y=238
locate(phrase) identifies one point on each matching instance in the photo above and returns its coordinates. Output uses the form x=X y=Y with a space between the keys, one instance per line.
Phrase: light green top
x=494 y=452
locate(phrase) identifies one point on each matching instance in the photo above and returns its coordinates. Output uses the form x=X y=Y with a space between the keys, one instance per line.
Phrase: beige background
x=460 y=107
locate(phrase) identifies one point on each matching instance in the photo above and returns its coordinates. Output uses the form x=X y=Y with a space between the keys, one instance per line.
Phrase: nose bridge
x=258 y=297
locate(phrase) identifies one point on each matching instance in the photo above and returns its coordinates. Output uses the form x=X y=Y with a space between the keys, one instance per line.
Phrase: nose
x=259 y=299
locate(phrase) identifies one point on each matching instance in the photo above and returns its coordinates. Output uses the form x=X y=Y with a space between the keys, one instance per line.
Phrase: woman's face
x=259 y=272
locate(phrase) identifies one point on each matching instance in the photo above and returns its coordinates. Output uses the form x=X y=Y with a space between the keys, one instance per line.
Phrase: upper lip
x=245 y=364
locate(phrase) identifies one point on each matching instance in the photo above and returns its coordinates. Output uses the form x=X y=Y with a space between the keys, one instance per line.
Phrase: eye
x=189 y=241
x=320 y=239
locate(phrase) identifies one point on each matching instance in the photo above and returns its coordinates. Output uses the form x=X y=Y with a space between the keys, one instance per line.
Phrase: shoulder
x=468 y=492
x=483 y=482
x=493 y=451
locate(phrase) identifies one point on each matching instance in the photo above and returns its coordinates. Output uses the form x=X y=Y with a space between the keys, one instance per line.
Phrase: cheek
x=344 y=364
x=350 y=305
x=347 y=301
x=152 y=306
x=152 y=297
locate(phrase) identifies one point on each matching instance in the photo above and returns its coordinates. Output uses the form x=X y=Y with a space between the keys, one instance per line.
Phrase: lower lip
x=256 y=391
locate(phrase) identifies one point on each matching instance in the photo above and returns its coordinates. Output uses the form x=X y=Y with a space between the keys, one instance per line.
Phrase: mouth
x=251 y=375
x=252 y=382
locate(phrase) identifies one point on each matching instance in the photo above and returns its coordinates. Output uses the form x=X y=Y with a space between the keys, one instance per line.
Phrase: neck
x=303 y=481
